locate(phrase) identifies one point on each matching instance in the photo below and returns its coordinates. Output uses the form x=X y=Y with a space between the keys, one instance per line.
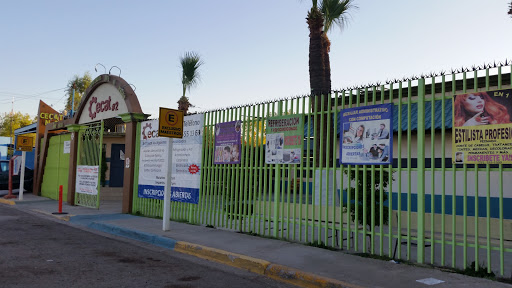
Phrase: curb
x=259 y=266
x=8 y=202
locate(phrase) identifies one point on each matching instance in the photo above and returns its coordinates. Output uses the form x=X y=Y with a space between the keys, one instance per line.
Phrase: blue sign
x=367 y=135
x=185 y=195
x=151 y=191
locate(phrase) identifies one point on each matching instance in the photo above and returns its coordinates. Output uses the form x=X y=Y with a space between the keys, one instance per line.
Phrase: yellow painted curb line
x=65 y=217
x=232 y=259
x=8 y=202
x=303 y=279
x=262 y=267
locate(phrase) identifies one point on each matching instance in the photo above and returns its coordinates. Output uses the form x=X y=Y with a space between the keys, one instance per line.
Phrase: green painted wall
x=56 y=170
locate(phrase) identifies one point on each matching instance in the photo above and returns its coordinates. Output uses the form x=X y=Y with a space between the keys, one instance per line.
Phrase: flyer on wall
x=482 y=128
x=284 y=139
x=153 y=161
x=227 y=142
x=367 y=135
x=186 y=161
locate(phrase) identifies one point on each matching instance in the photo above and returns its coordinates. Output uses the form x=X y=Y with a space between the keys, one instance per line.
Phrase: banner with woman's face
x=482 y=128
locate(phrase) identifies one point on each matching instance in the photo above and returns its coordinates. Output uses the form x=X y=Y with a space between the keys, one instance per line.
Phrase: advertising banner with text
x=87 y=179
x=367 y=135
x=482 y=128
x=186 y=161
x=284 y=139
x=227 y=142
x=153 y=161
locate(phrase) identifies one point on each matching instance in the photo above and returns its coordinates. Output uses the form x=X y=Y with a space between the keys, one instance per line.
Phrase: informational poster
x=367 y=135
x=67 y=147
x=482 y=128
x=186 y=161
x=153 y=161
x=227 y=142
x=17 y=165
x=284 y=139
x=87 y=179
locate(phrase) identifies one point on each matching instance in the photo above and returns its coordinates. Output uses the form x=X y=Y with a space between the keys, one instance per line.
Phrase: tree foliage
x=12 y=121
x=79 y=84
x=190 y=63
x=367 y=188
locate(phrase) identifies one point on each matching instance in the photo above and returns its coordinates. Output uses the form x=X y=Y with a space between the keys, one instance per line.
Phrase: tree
x=190 y=63
x=510 y=11
x=322 y=17
x=79 y=84
x=12 y=121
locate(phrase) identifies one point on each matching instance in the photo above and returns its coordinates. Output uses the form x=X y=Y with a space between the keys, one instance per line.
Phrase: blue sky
x=253 y=50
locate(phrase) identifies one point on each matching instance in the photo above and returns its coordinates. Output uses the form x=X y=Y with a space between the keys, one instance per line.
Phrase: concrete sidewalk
x=294 y=263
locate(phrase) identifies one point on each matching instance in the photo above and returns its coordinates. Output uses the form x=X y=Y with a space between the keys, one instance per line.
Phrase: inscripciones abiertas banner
x=227 y=142
x=482 y=128
x=153 y=161
x=367 y=135
x=186 y=161
x=284 y=139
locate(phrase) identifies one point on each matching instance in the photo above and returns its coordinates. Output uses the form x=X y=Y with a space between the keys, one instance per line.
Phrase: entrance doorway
x=117 y=165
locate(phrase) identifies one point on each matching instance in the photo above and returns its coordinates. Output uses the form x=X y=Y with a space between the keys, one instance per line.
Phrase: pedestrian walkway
x=290 y=262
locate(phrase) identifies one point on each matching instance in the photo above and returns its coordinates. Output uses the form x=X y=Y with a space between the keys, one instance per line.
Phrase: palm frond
x=190 y=63
x=336 y=12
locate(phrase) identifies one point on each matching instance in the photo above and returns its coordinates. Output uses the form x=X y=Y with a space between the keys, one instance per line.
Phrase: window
x=120 y=128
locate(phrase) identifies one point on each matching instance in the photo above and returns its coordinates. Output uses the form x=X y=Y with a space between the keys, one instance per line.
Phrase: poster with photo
x=482 y=127
x=284 y=139
x=366 y=136
x=227 y=142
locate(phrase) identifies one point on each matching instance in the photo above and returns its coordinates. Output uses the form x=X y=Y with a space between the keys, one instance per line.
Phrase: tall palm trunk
x=320 y=82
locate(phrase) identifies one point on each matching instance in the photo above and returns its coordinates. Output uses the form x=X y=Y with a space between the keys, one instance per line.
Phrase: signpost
x=170 y=124
x=24 y=144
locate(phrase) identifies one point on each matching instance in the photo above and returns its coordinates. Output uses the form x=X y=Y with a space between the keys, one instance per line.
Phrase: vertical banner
x=186 y=161
x=227 y=142
x=87 y=179
x=284 y=139
x=153 y=163
x=367 y=135
x=482 y=128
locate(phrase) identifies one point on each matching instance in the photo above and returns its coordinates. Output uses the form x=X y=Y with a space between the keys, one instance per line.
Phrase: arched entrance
x=104 y=127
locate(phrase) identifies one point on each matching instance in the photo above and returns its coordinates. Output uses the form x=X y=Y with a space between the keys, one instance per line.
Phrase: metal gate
x=90 y=139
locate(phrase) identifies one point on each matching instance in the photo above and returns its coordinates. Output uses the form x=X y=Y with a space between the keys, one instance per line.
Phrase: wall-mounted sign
x=284 y=140
x=482 y=127
x=367 y=135
x=67 y=147
x=170 y=123
x=105 y=102
x=25 y=143
x=227 y=142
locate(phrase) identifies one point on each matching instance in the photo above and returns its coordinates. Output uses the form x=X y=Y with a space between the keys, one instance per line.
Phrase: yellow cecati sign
x=170 y=123
x=50 y=117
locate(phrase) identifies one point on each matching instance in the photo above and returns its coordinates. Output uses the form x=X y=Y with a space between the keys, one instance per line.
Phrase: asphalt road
x=37 y=251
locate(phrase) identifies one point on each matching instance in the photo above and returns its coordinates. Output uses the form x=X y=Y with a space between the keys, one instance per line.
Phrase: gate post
x=131 y=120
x=421 y=172
x=73 y=158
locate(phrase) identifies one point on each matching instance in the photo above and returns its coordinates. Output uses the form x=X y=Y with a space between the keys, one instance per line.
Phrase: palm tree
x=321 y=18
x=510 y=11
x=190 y=63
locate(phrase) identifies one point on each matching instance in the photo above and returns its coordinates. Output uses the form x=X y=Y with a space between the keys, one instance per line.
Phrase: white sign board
x=67 y=147
x=87 y=179
x=105 y=102
x=17 y=165
x=153 y=161
x=186 y=161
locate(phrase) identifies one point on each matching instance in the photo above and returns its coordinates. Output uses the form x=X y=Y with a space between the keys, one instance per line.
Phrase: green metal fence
x=431 y=211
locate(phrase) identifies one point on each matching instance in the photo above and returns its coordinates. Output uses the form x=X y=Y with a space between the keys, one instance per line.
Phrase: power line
x=28 y=96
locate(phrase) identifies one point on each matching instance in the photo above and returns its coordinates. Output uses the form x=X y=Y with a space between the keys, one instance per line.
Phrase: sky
x=252 y=50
